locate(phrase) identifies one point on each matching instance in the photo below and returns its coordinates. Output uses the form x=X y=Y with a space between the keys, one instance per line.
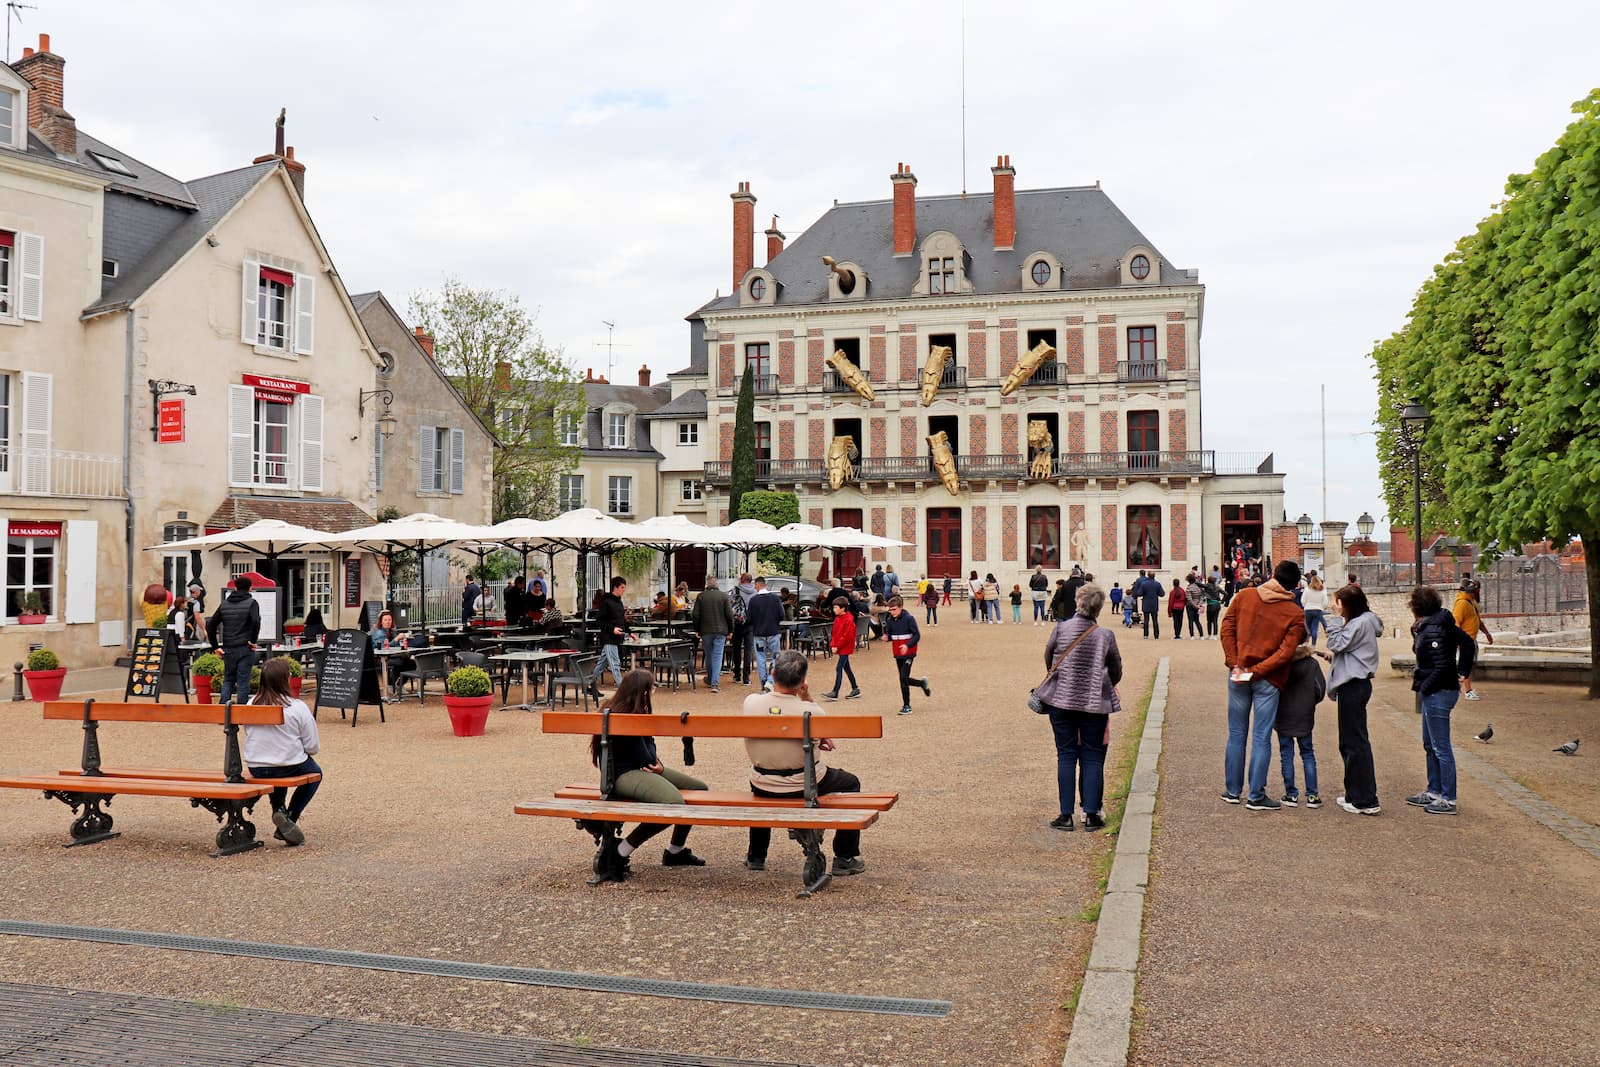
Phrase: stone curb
x=1103 y=1022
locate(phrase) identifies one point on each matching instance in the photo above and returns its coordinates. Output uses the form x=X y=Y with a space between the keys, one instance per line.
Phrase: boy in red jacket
x=843 y=643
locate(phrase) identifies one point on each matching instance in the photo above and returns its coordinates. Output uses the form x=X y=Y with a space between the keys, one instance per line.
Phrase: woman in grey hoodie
x=1080 y=694
x=1353 y=650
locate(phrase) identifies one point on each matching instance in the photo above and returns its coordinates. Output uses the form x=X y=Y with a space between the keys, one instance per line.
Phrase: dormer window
x=1139 y=267
x=567 y=427
x=942 y=274
x=8 y=117
x=1041 y=272
x=944 y=266
x=758 y=288
x=616 y=430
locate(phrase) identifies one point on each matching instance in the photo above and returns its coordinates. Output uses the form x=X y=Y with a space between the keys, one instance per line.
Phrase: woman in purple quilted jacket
x=1080 y=695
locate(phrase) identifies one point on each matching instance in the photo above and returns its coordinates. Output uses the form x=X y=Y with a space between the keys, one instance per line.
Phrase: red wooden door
x=850 y=558
x=944 y=542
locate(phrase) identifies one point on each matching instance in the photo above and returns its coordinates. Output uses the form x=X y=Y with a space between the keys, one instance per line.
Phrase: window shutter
x=425 y=439
x=83 y=537
x=305 y=304
x=310 y=442
x=31 y=306
x=252 y=288
x=458 y=461
x=241 y=433
x=36 y=390
x=377 y=459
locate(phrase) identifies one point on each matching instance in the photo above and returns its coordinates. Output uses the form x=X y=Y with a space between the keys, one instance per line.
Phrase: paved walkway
x=1320 y=937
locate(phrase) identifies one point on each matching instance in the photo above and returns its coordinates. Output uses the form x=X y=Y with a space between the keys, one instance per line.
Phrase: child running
x=843 y=642
x=900 y=630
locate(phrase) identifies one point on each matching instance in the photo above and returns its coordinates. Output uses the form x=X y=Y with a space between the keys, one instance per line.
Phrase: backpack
x=877 y=582
x=737 y=601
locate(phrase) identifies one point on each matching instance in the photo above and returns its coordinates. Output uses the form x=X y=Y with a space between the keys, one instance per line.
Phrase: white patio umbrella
x=523 y=536
x=420 y=533
x=269 y=538
x=586 y=530
x=669 y=533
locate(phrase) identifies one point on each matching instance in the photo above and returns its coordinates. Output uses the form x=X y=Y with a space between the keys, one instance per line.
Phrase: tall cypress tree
x=744 y=445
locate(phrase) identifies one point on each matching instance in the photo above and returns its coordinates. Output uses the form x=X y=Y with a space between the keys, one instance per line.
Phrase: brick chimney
x=905 y=210
x=744 y=232
x=425 y=339
x=296 y=169
x=502 y=376
x=1005 y=204
x=591 y=378
x=644 y=377
x=774 y=240
x=45 y=72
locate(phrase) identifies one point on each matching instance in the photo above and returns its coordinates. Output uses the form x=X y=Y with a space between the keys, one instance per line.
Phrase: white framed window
x=237 y=567
x=279 y=309
x=688 y=433
x=175 y=565
x=269 y=444
x=8 y=243
x=21 y=277
x=31 y=566
x=8 y=118
x=941 y=274
x=274 y=438
x=571 y=496
x=441 y=460
x=319 y=586
x=616 y=430
x=8 y=384
x=691 y=491
x=568 y=428
x=619 y=495
x=272 y=308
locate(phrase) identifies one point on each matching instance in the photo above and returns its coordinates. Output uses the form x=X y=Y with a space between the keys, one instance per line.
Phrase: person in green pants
x=641 y=776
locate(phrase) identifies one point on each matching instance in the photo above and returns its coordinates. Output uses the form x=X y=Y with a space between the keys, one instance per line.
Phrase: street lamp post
x=1416 y=417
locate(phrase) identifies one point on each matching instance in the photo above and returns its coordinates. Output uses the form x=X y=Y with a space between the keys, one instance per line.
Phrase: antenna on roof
x=611 y=358
x=14 y=10
x=963 y=98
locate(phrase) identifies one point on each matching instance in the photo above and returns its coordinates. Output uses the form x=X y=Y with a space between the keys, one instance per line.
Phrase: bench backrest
x=788 y=726
x=209 y=714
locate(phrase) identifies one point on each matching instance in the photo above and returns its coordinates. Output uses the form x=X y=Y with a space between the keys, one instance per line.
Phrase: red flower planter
x=45 y=685
x=294 y=685
x=202 y=688
x=468 y=715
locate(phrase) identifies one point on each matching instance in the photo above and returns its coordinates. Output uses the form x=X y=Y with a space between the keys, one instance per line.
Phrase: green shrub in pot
x=469 y=682
x=42 y=659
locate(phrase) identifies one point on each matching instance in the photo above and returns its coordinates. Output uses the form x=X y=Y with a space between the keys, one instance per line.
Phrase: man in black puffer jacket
x=235 y=626
x=1444 y=655
x=613 y=620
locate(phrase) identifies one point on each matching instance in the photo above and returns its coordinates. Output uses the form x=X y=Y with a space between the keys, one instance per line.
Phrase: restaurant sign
x=169 y=423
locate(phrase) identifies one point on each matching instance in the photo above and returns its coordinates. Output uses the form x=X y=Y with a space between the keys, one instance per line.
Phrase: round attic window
x=758 y=288
x=1041 y=272
x=1140 y=267
x=385 y=364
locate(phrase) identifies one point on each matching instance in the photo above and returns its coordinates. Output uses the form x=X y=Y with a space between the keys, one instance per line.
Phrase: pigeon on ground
x=1487 y=735
x=1568 y=749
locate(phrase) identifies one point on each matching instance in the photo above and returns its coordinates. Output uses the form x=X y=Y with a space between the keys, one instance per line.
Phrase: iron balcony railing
x=1134 y=464
x=54 y=472
x=979 y=468
x=1142 y=370
x=765 y=384
x=832 y=383
x=986 y=467
x=894 y=468
x=953 y=376
x=1052 y=373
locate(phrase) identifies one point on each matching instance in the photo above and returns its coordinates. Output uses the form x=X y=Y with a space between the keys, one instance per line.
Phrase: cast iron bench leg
x=93 y=825
x=815 y=876
x=237 y=834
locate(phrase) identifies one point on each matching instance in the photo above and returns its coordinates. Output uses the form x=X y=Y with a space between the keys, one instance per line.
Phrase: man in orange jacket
x=1262 y=629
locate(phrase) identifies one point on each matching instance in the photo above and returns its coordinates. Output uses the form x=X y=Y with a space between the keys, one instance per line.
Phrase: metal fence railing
x=1516 y=585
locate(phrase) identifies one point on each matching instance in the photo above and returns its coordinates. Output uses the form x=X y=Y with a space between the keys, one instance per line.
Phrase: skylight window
x=112 y=163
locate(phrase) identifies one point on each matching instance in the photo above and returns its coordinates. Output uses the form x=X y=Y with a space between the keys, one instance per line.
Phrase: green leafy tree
x=744 y=444
x=488 y=345
x=779 y=509
x=405 y=571
x=1503 y=346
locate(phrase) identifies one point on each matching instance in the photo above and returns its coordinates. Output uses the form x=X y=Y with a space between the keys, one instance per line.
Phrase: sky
x=1312 y=164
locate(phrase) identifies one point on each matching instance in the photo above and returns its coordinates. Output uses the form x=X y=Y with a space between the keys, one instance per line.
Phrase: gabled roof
x=1079 y=225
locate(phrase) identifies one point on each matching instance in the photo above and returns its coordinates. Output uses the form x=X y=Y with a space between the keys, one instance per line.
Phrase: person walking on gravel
x=843 y=642
x=1080 y=695
x=900 y=630
x=1260 y=632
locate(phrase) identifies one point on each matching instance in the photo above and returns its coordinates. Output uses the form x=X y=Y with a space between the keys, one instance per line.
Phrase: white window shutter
x=36 y=389
x=458 y=461
x=252 y=293
x=31 y=306
x=310 y=442
x=305 y=306
x=83 y=551
x=241 y=433
x=425 y=439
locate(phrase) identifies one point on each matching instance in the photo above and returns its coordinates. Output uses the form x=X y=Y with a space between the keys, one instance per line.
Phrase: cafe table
x=528 y=660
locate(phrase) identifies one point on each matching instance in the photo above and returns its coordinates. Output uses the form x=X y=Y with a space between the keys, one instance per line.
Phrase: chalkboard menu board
x=352 y=583
x=350 y=675
x=157 y=666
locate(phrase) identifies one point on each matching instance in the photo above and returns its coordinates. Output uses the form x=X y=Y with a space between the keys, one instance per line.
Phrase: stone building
x=1093 y=456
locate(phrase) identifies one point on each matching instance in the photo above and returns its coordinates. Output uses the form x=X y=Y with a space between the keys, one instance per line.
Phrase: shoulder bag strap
x=1068 y=651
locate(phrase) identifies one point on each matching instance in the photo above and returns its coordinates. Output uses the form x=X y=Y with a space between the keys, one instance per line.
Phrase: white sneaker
x=1471 y=694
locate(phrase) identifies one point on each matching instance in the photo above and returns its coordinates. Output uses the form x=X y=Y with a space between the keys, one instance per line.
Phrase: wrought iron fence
x=56 y=472
x=1516 y=585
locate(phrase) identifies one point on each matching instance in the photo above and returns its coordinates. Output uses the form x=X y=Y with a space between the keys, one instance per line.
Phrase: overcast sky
x=1313 y=167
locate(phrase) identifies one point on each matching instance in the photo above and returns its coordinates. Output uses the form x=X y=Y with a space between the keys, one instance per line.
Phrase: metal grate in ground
x=600 y=983
x=45 y=1026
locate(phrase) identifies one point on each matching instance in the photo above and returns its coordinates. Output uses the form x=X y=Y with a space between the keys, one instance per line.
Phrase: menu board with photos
x=350 y=675
x=157 y=666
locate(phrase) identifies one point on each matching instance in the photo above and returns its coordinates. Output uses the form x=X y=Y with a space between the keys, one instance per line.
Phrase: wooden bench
x=228 y=794
x=599 y=813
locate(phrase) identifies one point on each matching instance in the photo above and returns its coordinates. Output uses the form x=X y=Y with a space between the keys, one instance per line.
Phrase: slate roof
x=691 y=403
x=644 y=400
x=1080 y=226
x=328 y=514
x=697 y=349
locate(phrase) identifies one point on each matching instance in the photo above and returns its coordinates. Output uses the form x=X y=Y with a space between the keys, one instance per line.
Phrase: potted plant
x=297 y=675
x=30 y=609
x=44 y=674
x=294 y=627
x=204 y=670
x=468 y=692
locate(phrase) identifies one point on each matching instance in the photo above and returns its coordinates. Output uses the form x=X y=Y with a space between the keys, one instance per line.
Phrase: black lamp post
x=1364 y=526
x=1415 y=417
x=1305 y=525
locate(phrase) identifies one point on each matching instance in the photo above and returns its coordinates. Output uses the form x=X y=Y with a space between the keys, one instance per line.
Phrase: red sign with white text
x=33 y=529
x=169 y=426
x=279 y=385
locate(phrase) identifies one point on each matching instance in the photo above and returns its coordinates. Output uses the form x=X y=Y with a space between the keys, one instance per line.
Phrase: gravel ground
x=413 y=849
x=1320 y=937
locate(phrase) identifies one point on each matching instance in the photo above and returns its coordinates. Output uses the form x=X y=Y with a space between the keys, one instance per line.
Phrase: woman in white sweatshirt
x=1314 y=598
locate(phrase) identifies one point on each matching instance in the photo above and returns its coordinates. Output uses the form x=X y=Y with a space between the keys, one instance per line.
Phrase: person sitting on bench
x=283 y=751
x=641 y=776
x=778 y=767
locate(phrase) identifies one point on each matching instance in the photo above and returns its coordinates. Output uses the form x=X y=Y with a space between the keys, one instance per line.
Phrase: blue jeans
x=610 y=656
x=1241 y=695
x=1127 y=613
x=1080 y=758
x=994 y=609
x=841 y=671
x=766 y=654
x=237 y=664
x=712 y=644
x=1308 y=756
x=1040 y=610
x=1436 y=708
x=1313 y=624
x=1016 y=613
x=302 y=793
